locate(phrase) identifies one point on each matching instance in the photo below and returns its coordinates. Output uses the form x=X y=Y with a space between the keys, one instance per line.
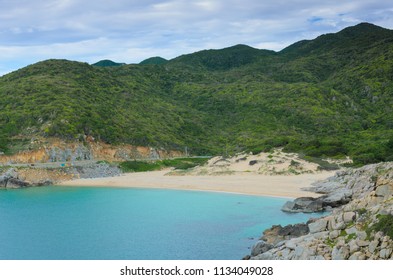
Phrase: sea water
x=89 y=223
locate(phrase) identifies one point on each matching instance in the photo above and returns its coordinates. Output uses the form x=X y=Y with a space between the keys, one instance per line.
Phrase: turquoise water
x=124 y=223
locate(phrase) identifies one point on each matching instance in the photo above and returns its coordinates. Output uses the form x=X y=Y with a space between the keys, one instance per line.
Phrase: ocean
x=88 y=223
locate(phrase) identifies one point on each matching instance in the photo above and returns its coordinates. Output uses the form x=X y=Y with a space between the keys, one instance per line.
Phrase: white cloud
x=130 y=30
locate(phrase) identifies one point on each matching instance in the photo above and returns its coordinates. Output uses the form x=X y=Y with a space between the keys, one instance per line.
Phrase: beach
x=249 y=184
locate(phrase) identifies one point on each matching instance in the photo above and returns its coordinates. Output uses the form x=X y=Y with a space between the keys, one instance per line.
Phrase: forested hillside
x=331 y=96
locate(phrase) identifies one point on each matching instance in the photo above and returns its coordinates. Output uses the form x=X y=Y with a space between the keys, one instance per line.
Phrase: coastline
x=242 y=183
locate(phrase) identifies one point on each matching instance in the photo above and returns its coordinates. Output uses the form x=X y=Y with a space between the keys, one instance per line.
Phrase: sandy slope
x=252 y=184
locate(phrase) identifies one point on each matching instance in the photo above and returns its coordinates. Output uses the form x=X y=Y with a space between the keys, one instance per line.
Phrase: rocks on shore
x=360 y=199
x=10 y=179
x=26 y=177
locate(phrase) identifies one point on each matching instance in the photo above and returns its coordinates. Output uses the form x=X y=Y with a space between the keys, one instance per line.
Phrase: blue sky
x=130 y=31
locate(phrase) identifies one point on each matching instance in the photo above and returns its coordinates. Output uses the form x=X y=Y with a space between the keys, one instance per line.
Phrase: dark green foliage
x=384 y=224
x=328 y=97
x=139 y=166
x=224 y=59
x=178 y=163
x=107 y=63
x=154 y=61
x=184 y=163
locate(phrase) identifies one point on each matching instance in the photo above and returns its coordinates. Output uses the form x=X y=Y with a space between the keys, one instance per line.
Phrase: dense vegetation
x=178 y=163
x=107 y=63
x=331 y=96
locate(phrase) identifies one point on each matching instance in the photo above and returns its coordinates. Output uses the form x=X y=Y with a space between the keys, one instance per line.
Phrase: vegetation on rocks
x=384 y=224
x=360 y=229
x=327 y=97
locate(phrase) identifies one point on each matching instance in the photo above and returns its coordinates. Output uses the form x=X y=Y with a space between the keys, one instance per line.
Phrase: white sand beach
x=251 y=184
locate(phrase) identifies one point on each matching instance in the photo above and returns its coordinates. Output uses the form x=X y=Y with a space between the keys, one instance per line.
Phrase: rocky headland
x=359 y=225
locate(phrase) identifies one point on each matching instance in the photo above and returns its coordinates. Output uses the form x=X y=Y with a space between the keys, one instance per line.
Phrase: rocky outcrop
x=360 y=229
x=10 y=179
x=96 y=170
x=338 y=190
x=56 y=150
x=32 y=176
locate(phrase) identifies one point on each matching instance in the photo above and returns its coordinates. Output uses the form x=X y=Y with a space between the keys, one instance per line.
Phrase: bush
x=178 y=163
x=384 y=224
x=139 y=166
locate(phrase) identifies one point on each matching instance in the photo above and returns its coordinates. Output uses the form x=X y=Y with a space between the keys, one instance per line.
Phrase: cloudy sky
x=130 y=31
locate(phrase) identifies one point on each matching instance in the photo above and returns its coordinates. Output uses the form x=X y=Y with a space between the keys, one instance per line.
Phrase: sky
x=130 y=31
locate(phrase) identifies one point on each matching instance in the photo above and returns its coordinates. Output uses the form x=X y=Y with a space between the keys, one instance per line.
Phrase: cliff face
x=361 y=229
x=55 y=150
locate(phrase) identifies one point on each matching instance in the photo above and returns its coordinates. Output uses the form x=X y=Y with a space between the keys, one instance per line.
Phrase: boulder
x=372 y=246
x=357 y=256
x=317 y=226
x=3 y=181
x=349 y=217
x=295 y=230
x=303 y=204
x=337 y=198
x=385 y=253
x=271 y=235
x=260 y=247
x=341 y=253
x=16 y=184
x=384 y=191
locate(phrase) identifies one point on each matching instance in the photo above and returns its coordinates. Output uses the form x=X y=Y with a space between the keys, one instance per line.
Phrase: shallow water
x=128 y=223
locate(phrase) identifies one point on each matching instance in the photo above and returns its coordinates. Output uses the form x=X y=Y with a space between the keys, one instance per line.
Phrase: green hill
x=223 y=59
x=154 y=61
x=331 y=96
x=107 y=63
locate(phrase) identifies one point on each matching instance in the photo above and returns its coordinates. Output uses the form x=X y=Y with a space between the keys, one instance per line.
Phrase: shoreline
x=284 y=186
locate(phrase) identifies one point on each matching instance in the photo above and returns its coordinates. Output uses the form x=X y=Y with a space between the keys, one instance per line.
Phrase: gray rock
x=363 y=243
x=353 y=247
x=385 y=253
x=13 y=183
x=260 y=247
x=351 y=230
x=286 y=254
x=265 y=256
x=3 y=181
x=291 y=244
x=340 y=253
x=294 y=230
x=338 y=198
x=317 y=226
x=303 y=204
x=339 y=226
x=372 y=246
x=384 y=191
x=334 y=234
x=357 y=256
x=349 y=217
x=289 y=206
x=299 y=250
x=362 y=235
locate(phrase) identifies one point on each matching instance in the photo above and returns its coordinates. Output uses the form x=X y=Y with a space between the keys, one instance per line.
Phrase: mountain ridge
x=324 y=102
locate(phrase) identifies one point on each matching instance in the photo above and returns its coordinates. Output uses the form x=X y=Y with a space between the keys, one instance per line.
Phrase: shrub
x=384 y=224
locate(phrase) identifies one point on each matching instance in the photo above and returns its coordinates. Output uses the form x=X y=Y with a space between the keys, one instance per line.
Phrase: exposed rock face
x=56 y=150
x=10 y=179
x=349 y=231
